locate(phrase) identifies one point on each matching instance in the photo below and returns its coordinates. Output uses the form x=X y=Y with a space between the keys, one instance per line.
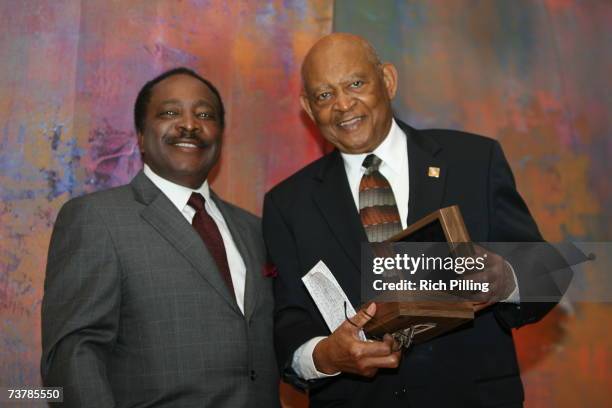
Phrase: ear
x=140 y=142
x=390 y=79
x=306 y=105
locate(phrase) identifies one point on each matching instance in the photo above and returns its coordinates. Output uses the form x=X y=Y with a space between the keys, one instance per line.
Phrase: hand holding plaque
x=344 y=351
x=498 y=274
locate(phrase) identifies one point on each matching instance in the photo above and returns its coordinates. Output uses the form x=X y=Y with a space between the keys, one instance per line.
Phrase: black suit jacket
x=311 y=216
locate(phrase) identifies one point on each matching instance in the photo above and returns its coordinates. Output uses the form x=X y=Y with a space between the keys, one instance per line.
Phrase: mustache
x=189 y=135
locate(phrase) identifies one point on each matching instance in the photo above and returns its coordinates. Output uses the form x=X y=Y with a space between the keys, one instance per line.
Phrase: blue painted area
x=265 y=16
x=516 y=42
x=173 y=56
x=55 y=137
x=54 y=180
x=63 y=181
x=14 y=344
x=9 y=261
x=12 y=160
x=298 y=7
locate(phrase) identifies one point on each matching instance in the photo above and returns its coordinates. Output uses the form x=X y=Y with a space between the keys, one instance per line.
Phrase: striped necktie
x=377 y=207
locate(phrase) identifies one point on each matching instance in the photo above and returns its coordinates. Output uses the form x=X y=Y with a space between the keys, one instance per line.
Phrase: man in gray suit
x=154 y=292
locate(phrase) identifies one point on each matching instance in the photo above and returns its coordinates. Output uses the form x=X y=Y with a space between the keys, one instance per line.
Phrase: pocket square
x=269 y=270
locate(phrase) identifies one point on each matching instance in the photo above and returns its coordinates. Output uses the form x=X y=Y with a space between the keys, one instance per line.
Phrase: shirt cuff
x=303 y=364
x=515 y=295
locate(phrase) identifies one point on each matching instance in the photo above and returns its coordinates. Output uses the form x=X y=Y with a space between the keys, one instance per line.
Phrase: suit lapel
x=336 y=203
x=172 y=226
x=425 y=190
x=239 y=235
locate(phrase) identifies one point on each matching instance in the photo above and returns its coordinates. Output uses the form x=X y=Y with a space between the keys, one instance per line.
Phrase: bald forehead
x=337 y=48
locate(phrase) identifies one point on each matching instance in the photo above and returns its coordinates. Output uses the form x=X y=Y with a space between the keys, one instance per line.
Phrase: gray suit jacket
x=136 y=314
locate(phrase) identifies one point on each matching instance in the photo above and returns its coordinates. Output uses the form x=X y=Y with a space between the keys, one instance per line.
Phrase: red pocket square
x=269 y=270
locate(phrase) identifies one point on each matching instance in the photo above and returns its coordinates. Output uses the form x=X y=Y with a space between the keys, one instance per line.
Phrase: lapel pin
x=434 y=172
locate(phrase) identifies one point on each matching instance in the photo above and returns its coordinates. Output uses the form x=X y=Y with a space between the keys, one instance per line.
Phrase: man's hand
x=344 y=351
x=498 y=274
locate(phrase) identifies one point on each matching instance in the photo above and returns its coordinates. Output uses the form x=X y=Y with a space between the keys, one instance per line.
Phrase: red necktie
x=209 y=232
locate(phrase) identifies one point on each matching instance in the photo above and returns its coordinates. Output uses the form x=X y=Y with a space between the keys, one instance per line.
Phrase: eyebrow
x=201 y=102
x=347 y=80
x=354 y=77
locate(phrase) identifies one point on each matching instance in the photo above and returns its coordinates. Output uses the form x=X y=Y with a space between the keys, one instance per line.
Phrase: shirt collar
x=177 y=194
x=391 y=151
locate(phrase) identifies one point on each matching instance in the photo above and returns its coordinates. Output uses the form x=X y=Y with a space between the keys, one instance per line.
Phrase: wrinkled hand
x=499 y=276
x=344 y=351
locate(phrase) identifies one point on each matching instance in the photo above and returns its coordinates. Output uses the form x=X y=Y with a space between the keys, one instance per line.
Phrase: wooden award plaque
x=443 y=225
x=429 y=319
x=438 y=312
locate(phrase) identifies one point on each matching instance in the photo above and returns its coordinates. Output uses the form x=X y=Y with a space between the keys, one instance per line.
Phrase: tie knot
x=371 y=163
x=196 y=201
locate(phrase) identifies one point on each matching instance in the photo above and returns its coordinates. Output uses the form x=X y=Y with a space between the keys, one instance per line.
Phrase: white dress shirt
x=393 y=153
x=179 y=195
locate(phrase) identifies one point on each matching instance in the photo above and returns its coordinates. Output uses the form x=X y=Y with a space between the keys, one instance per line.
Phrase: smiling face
x=348 y=93
x=181 y=137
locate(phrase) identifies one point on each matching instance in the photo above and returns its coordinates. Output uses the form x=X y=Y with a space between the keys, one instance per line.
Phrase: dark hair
x=144 y=96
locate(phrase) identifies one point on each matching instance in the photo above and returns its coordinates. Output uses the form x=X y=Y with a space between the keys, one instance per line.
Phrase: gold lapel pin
x=434 y=172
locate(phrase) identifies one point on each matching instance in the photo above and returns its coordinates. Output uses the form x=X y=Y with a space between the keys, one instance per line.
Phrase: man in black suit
x=154 y=293
x=313 y=215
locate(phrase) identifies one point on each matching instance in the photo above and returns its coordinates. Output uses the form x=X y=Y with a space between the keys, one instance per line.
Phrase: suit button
x=400 y=394
x=253 y=375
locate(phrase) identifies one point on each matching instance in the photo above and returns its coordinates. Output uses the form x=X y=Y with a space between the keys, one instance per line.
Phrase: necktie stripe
x=373 y=198
x=380 y=232
x=379 y=215
x=374 y=181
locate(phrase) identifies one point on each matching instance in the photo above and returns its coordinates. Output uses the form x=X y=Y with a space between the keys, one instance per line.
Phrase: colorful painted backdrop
x=533 y=74
x=70 y=74
x=536 y=75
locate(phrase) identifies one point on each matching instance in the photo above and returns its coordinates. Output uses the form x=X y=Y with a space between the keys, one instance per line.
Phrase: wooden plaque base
x=430 y=319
